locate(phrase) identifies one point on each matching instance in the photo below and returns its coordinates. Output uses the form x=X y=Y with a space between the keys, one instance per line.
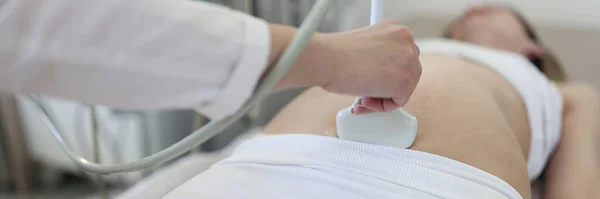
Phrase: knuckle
x=410 y=56
x=417 y=49
x=397 y=29
x=408 y=52
x=402 y=29
x=404 y=32
x=411 y=71
x=389 y=22
x=417 y=72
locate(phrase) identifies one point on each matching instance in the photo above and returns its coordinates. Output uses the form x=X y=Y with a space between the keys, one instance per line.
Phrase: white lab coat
x=135 y=54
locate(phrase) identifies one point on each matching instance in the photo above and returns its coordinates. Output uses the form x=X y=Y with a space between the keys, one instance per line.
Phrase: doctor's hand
x=380 y=62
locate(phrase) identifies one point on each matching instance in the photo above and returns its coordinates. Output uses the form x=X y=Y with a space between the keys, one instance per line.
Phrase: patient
x=494 y=112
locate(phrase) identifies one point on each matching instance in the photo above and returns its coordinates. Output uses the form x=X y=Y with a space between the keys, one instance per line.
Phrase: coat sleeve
x=133 y=54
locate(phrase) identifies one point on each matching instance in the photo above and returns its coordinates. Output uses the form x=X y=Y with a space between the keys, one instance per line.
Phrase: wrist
x=316 y=64
x=312 y=67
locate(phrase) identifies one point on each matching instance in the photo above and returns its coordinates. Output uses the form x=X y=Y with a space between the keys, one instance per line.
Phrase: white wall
x=568 y=13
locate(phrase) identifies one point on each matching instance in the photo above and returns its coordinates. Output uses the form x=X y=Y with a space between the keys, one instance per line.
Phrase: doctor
x=154 y=54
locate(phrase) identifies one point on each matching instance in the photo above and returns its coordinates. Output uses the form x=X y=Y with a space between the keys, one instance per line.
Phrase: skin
x=441 y=130
x=492 y=130
x=384 y=65
x=574 y=169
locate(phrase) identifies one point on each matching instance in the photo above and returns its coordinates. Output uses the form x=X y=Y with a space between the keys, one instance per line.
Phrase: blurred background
x=33 y=166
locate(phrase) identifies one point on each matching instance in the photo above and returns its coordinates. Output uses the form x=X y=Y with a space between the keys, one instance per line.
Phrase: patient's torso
x=466 y=112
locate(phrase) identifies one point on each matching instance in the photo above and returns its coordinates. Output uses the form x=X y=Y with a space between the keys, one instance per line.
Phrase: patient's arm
x=574 y=170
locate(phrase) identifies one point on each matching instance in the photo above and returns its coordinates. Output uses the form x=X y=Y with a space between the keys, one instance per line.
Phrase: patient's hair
x=548 y=63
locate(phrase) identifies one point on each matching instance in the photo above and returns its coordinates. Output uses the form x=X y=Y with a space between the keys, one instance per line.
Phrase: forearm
x=581 y=112
x=312 y=68
x=574 y=170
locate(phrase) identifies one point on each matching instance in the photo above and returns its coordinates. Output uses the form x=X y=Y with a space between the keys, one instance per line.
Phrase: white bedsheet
x=170 y=177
